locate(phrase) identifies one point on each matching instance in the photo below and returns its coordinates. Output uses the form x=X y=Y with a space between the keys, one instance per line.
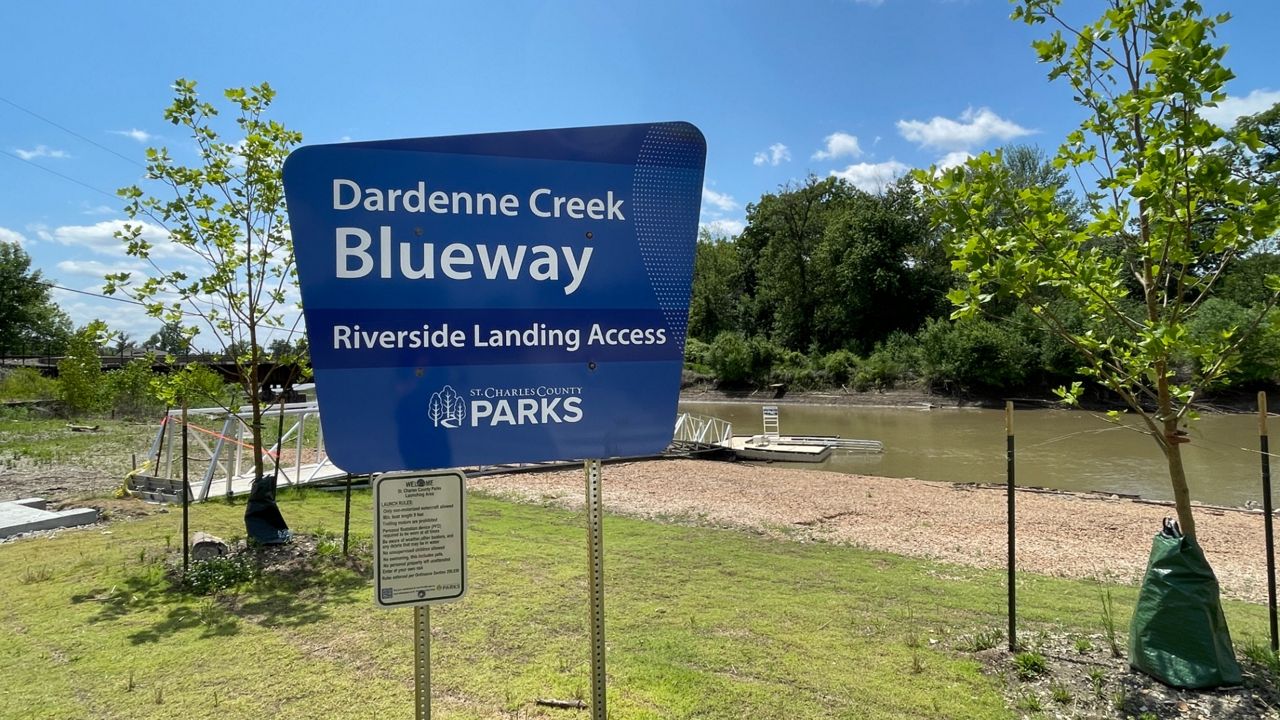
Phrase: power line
x=73 y=133
x=68 y=178
x=130 y=301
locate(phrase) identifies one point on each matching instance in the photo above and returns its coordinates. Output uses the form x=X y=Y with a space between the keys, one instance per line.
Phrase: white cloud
x=100 y=238
x=975 y=127
x=95 y=269
x=872 y=177
x=99 y=210
x=839 y=144
x=1233 y=107
x=13 y=236
x=724 y=228
x=41 y=151
x=720 y=201
x=119 y=316
x=774 y=156
x=952 y=159
x=135 y=134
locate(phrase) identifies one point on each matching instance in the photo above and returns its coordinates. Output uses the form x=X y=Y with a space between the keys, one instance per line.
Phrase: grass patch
x=701 y=622
x=1029 y=665
x=30 y=440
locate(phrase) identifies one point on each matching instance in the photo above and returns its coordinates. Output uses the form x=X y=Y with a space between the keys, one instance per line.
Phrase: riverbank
x=1075 y=535
x=916 y=397
x=1080 y=536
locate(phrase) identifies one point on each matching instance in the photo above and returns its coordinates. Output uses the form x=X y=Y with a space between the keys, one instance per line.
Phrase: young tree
x=81 y=384
x=1167 y=215
x=228 y=214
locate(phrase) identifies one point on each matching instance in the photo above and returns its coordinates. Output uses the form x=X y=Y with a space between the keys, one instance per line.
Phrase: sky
x=862 y=89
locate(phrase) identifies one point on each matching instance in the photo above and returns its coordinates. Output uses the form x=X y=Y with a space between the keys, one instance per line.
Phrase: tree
x=170 y=339
x=1143 y=72
x=228 y=214
x=824 y=266
x=716 y=296
x=81 y=384
x=30 y=322
x=776 y=248
x=1258 y=153
x=869 y=277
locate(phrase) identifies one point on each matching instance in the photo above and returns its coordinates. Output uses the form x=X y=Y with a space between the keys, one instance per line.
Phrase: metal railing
x=701 y=431
x=220 y=451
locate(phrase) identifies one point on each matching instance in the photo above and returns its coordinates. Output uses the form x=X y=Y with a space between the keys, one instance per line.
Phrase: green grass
x=29 y=439
x=701 y=622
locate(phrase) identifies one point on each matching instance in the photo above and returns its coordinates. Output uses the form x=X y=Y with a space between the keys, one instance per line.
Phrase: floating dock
x=772 y=445
x=777 y=448
x=698 y=432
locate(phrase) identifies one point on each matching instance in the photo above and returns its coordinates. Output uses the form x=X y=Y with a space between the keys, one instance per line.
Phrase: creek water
x=1062 y=449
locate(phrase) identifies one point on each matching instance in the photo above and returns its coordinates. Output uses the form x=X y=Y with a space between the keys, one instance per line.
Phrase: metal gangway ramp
x=220 y=453
x=700 y=432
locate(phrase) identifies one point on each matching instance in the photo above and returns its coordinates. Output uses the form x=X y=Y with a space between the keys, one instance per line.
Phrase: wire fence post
x=1268 y=528
x=346 y=519
x=186 y=498
x=595 y=584
x=1011 y=521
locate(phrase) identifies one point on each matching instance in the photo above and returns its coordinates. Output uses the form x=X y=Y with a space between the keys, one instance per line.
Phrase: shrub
x=796 y=370
x=975 y=355
x=903 y=350
x=764 y=354
x=696 y=352
x=879 y=372
x=80 y=379
x=210 y=576
x=130 y=388
x=839 y=366
x=27 y=384
x=730 y=357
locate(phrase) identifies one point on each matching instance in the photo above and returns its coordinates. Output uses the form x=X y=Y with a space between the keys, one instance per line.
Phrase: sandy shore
x=1067 y=535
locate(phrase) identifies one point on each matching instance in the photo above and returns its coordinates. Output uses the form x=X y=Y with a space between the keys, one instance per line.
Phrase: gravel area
x=56 y=482
x=1062 y=534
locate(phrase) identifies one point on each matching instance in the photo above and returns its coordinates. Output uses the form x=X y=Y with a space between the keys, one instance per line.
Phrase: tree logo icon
x=446 y=408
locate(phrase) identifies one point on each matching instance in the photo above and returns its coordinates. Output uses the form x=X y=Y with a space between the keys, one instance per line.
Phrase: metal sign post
x=419 y=555
x=422 y=662
x=595 y=584
x=1013 y=535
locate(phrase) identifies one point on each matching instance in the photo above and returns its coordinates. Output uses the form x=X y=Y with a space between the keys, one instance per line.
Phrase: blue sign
x=486 y=299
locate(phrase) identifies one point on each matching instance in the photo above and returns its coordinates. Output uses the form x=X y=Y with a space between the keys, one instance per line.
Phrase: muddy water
x=1065 y=449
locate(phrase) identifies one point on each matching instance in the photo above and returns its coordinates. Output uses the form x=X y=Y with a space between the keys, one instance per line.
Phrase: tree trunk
x=256 y=431
x=1172 y=446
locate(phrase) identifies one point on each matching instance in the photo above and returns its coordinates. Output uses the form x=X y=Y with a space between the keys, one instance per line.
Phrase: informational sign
x=486 y=299
x=419 y=538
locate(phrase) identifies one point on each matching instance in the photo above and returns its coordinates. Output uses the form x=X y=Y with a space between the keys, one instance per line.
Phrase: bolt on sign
x=485 y=299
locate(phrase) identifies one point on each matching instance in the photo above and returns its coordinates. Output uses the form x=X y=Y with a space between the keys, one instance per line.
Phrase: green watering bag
x=1178 y=634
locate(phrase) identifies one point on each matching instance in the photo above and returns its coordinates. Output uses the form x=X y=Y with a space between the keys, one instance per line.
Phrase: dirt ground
x=1062 y=534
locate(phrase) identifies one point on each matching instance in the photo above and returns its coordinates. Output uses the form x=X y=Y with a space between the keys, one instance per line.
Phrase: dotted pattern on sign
x=667 y=175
